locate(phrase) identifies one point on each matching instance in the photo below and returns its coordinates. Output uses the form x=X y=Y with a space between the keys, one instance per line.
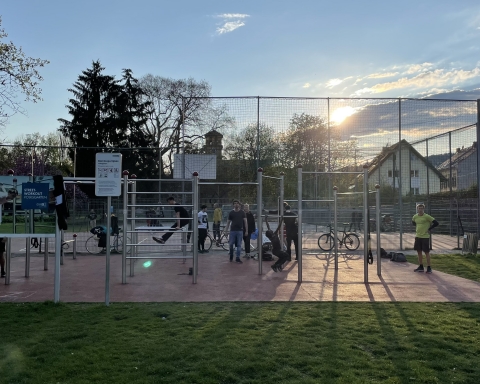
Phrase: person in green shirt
x=423 y=223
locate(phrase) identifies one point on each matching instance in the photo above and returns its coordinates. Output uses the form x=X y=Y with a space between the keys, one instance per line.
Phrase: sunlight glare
x=341 y=114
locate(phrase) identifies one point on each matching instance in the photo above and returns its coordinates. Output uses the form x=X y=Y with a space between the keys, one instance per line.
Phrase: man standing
x=238 y=219
x=181 y=216
x=423 y=225
x=202 y=229
x=291 y=226
x=251 y=229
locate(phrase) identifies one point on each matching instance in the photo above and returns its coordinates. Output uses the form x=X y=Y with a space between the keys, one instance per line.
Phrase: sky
x=303 y=48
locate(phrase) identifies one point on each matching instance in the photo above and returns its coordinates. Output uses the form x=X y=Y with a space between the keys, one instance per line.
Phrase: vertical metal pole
x=478 y=165
x=259 y=219
x=107 y=258
x=400 y=168
x=58 y=247
x=8 y=261
x=194 y=235
x=125 y=227
x=377 y=218
x=74 y=246
x=45 y=255
x=258 y=132
x=281 y=210
x=300 y=214
x=335 y=240
x=14 y=208
x=450 y=189
x=27 y=258
x=365 y=215
x=135 y=241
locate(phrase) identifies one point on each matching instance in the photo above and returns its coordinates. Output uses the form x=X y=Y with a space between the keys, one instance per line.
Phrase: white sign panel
x=184 y=165
x=108 y=174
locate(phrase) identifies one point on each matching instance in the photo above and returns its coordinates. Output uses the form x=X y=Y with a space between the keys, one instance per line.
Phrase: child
x=202 y=229
x=276 y=247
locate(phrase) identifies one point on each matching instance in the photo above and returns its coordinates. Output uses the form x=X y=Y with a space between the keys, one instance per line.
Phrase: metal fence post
x=300 y=224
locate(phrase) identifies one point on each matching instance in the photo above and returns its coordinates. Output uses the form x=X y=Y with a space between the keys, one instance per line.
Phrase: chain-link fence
x=416 y=150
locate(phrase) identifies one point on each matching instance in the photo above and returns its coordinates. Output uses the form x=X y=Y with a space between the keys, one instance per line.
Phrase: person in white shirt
x=202 y=229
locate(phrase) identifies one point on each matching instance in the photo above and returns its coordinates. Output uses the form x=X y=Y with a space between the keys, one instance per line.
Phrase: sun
x=341 y=114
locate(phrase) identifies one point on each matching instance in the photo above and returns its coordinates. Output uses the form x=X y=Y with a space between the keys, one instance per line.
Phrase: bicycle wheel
x=118 y=244
x=325 y=242
x=223 y=242
x=208 y=242
x=92 y=245
x=352 y=241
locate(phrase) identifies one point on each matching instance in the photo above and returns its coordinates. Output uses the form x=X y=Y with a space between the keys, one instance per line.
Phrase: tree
x=181 y=114
x=105 y=113
x=38 y=155
x=18 y=74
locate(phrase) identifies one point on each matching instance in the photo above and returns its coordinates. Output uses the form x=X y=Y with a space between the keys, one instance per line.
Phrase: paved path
x=83 y=280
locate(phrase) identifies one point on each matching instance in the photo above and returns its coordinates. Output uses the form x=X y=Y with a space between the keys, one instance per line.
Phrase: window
x=414 y=191
x=414 y=173
x=390 y=173
x=413 y=157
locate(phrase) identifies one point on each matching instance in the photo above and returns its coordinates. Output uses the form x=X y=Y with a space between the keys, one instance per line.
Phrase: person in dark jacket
x=291 y=227
x=276 y=247
x=251 y=229
x=181 y=220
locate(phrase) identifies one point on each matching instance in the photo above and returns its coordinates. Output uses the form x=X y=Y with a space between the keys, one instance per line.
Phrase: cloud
x=414 y=68
x=334 y=82
x=231 y=22
x=233 y=16
x=429 y=79
x=381 y=75
x=307 y=85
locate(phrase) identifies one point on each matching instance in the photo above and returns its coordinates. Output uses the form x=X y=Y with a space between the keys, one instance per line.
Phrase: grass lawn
x=467 y=266
x=240 y=343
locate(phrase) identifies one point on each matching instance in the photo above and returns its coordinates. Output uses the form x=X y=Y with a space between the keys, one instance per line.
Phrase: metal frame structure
x=365 y=192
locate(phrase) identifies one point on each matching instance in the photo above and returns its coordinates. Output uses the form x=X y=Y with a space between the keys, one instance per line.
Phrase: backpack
x=398 y=257
x=383 y=254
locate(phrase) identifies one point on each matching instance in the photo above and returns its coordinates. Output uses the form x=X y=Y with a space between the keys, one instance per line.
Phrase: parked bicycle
x=350 y=240
x=116 y=245
x=222 y=242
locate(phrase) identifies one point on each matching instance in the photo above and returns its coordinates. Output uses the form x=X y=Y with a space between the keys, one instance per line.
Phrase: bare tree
x=18 y=74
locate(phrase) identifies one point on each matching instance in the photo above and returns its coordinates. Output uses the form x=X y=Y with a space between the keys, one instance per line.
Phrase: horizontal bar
x=272 y=177
x=159 y=257
x=25 y=235
x=162 y=180
x=319 y=201
x=158 y=205
x=156 y=244
x=334 y=173
x=227 y=183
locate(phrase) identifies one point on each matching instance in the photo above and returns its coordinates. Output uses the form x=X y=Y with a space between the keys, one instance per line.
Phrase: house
x=463 y=165
x=418 y=175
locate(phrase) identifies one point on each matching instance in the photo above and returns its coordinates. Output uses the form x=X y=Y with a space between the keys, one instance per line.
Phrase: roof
x=458 y=156
x=213 y=132
x=389 y=151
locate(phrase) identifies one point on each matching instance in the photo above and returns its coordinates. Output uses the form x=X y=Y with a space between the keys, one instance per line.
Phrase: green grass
x=240 y=343
x=466 y=266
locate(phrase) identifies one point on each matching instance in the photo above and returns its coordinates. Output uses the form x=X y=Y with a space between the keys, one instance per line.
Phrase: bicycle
x=222 y=242
x=116 y=245
x=351 y=240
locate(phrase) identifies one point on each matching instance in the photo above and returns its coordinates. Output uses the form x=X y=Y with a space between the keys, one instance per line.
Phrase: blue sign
x=35 y=195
